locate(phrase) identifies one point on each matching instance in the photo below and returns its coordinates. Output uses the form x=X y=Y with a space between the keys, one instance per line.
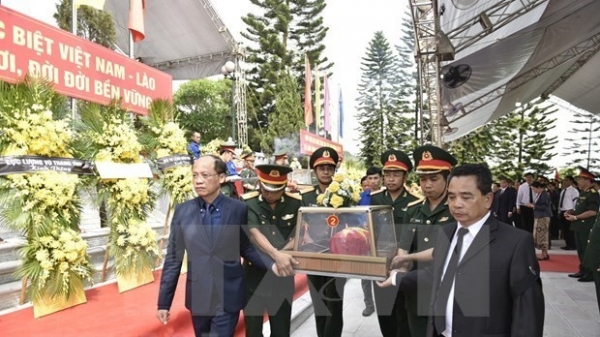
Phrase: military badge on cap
x=324 y=156
x=273 y=178
x=432 y=159
x=396 y=160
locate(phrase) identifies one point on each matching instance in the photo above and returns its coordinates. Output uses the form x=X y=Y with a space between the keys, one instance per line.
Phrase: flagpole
x=74 y=31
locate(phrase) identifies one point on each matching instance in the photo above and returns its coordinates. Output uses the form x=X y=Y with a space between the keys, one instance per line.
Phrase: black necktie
x=562 y=198
x=446 y=285
x=530 y=195
x=207 y=217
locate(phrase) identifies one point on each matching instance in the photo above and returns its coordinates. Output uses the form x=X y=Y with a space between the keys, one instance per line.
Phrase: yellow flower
x=320 y=198
x=334 y=187
x=338 y=177
x=356 y=196
x=336 y=201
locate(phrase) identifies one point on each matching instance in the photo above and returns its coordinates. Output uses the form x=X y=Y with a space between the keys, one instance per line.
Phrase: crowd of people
x=465 y=266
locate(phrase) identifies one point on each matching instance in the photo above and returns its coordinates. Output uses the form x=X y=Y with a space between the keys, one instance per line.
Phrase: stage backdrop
x=77 y=67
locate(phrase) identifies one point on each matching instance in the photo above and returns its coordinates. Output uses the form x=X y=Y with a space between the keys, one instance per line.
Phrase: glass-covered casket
x=355 y=242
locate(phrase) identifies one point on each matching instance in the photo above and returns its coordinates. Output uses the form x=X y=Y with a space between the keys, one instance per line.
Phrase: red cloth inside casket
x=351 y=241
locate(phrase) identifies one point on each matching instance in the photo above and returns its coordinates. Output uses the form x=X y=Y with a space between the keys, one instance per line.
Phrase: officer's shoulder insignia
x=307 y=190
x=416 y=195
x=416 y=202
x=293 y=195
x=378 y=192
x=250 y=195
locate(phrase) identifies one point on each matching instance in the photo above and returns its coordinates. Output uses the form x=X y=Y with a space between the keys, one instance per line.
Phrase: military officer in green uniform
x=423 y=220
x=390 y=303
x=582 y=219
x=327 y=293
x=248 y=173
x=281 y=158
x=272 y=216
x=591 y=259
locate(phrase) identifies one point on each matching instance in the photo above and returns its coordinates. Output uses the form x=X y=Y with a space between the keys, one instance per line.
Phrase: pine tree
x=584 y=143
x=410 y=79
x=92 y=24
x=287 y=119
x=523 y=143
x=475 y=147
x=279 y=38
x=380 y=102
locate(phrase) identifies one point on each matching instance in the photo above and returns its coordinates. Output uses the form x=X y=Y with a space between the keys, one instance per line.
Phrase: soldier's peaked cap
x=432 y=159
x=396 y=160
x=324 y=156
x=280 y=153
x=273 y=178
x=585 y=173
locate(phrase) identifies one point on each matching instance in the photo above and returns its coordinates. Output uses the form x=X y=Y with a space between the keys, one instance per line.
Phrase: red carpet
x=560 y=263
x=108 y=313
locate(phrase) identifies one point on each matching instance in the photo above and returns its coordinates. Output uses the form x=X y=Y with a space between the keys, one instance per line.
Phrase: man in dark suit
x=211 y=229
x=505 y=205
x=485 y=273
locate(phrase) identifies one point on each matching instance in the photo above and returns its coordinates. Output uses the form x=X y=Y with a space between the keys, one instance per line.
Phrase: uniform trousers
x=327 y=294
x=273 y=295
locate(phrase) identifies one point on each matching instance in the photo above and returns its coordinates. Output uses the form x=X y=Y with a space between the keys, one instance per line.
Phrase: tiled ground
x=571 y=309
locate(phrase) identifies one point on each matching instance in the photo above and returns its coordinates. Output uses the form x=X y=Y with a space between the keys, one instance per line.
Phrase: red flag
x=556 y=174
x=308 y=116
x=136 y=19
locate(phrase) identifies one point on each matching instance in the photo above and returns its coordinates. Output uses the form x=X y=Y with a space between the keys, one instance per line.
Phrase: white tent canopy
x=185 y=38
x=534 y=48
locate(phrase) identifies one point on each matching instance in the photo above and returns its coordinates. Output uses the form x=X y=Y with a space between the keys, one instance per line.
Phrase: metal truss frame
x=426 y=26
x=239 y=99
x=427 y=30
x=498 y=16
x=585 y=50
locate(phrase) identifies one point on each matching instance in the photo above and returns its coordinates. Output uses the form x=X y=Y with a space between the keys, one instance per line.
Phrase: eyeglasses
x=204 y=176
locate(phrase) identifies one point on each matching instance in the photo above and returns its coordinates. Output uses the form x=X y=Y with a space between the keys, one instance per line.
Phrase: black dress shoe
x=579 y=274
x=368 y=311
x=586 y=278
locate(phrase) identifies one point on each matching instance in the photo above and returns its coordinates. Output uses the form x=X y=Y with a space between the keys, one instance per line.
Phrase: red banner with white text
x=77 y=67
x=310 y=142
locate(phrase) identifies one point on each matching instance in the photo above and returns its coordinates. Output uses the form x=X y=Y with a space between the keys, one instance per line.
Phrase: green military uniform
x=588 y=201
x=591 y=260
x=250 y=181
x=420 y=232
x=267 y=292
x=327 y=293
x=390 y=302
x=250 y=178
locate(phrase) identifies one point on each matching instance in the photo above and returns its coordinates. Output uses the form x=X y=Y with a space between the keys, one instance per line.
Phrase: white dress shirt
x=523 y=195
x=467 y=240
x=570 y=196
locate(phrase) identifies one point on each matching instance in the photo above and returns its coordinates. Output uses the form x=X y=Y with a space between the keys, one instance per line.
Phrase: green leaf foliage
x=92 y=24
x=205 y=106
x=383 y=105
x=583 y=141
